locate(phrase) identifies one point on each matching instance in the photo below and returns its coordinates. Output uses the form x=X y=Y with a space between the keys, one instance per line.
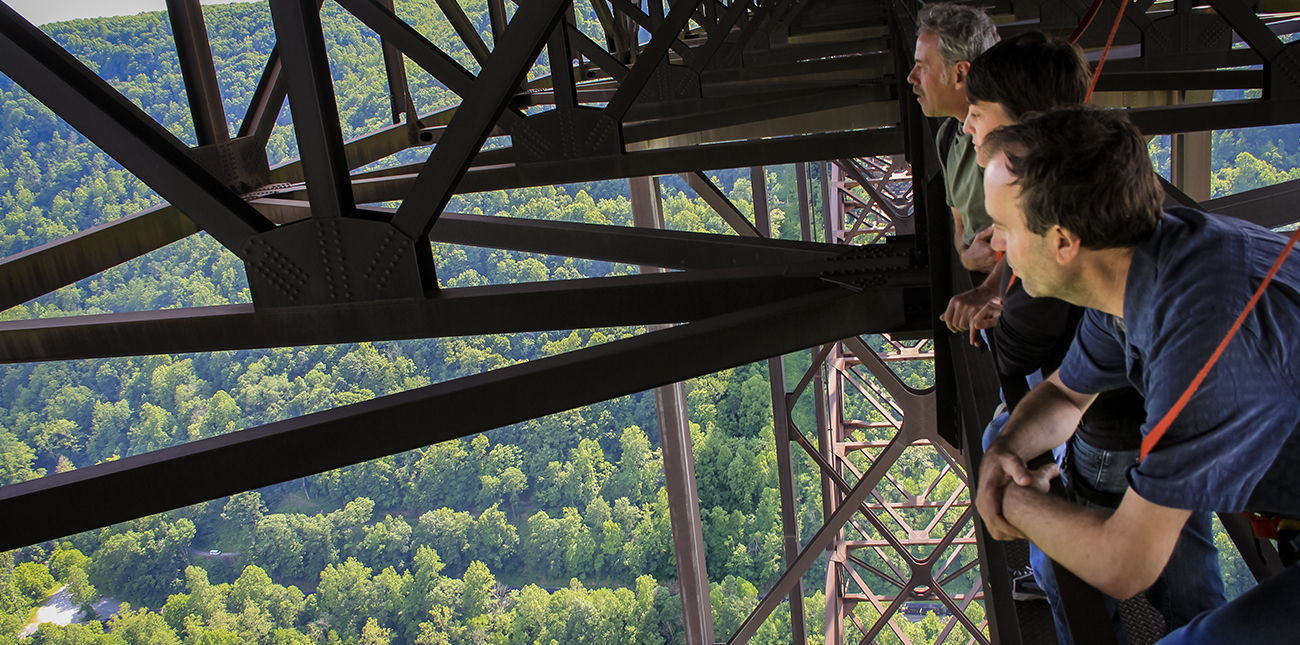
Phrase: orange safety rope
x=1119 y=17
x=1151 y=439
x=1087 y=20
x=1156 y=433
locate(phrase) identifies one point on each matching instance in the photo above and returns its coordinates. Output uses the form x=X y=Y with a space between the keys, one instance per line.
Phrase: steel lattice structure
x=740 y=83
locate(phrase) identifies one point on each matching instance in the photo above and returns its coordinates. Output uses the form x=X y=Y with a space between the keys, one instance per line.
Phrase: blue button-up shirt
x=1235 y=446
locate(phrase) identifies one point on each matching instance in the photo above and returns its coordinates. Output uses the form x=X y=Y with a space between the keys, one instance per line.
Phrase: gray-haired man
x=949 y=37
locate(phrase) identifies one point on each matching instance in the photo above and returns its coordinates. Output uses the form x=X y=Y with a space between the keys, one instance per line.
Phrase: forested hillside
x=554 y=530
x=493 y=537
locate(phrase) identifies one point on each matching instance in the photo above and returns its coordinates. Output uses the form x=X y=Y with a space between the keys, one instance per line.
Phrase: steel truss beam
x=659 y=248
x=286 y=450
x=54 y=265
x=1270 y=206
x=477 y=115
x=195 y=56
x=63 y=83
x=301 y=43
x=422 y=52
x=388 y=186
x=594 y=302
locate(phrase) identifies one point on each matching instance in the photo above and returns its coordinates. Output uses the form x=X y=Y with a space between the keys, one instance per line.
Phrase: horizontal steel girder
x=1270 y=206
x=41 y=270
x=537 y=306
x=286 y=450
x=666 y=249
x=388 y=185
x=1219 y=115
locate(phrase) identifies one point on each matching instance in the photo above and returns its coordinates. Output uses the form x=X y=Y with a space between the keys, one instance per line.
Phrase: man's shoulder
x=1192 y=256
x=1211 y=254
x=945 y=136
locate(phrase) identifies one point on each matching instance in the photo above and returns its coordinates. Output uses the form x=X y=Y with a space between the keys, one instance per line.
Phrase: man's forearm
x=994 y=279
x=1044 y=419
x=1120 y=554
x=959 y=232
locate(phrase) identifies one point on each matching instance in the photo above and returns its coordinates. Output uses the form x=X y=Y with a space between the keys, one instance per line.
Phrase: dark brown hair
x=1030 y=72
x=1086 y=170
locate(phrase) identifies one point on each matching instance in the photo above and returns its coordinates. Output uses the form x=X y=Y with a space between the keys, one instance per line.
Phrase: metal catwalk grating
x=1035 y=616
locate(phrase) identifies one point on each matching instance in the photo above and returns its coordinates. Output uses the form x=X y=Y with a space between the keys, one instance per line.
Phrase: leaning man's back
x=1234 y=447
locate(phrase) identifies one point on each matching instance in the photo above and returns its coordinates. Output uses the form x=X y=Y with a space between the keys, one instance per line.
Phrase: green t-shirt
x=963 y=180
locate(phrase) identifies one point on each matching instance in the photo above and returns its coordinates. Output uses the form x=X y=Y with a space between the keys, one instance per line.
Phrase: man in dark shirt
x=1077 y=208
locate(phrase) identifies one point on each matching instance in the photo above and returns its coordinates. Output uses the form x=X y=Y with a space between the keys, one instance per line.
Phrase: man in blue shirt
x=1035 y=72
x=1077 y=208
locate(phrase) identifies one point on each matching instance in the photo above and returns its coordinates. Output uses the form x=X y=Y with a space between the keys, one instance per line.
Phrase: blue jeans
x=1191 y=582
x=1265 y=614
x=1038 y=561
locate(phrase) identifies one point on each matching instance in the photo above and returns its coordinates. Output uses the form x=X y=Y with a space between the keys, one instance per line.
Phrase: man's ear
x=962 y=69
x=1065 y=245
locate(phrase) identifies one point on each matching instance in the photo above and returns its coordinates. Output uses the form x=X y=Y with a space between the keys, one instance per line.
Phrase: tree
x=144 y=566
x=142 y=627
x=277 y=547
x=373 y=634
x=252 y=588
x=16 y=460
x=447 y=532
x=479 y=586
x=633 y=477
x=349 y=595
x=444 y=476
x=65 y=559
x=33 y=582
x=244 y=510
x=440 y=629
x=513 y=484
x=426 y=588
x=492 y=538
x=80 y=591
x=732 y=600
x=385 y=543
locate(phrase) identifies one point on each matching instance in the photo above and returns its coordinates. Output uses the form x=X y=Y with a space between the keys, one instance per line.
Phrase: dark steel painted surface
x=666 y=249
x=122 y=130
x=465 y=29
x=195 y=55
x=422 y=52
x=594 y=302
x=314 y=443
x=301 y=44
x=54 y=265
x=1270 y=206
x=678 y=459
x=789 y=496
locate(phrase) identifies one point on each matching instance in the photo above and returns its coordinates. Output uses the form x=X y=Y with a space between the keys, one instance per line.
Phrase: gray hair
x=964 y=32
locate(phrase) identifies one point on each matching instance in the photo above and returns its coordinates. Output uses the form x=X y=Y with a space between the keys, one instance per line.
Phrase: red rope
x=1086 y=21
x=1119 y=16
x=1151 y=439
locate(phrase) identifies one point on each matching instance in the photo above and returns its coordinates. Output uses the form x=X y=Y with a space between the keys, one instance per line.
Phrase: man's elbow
x=1124 y=580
